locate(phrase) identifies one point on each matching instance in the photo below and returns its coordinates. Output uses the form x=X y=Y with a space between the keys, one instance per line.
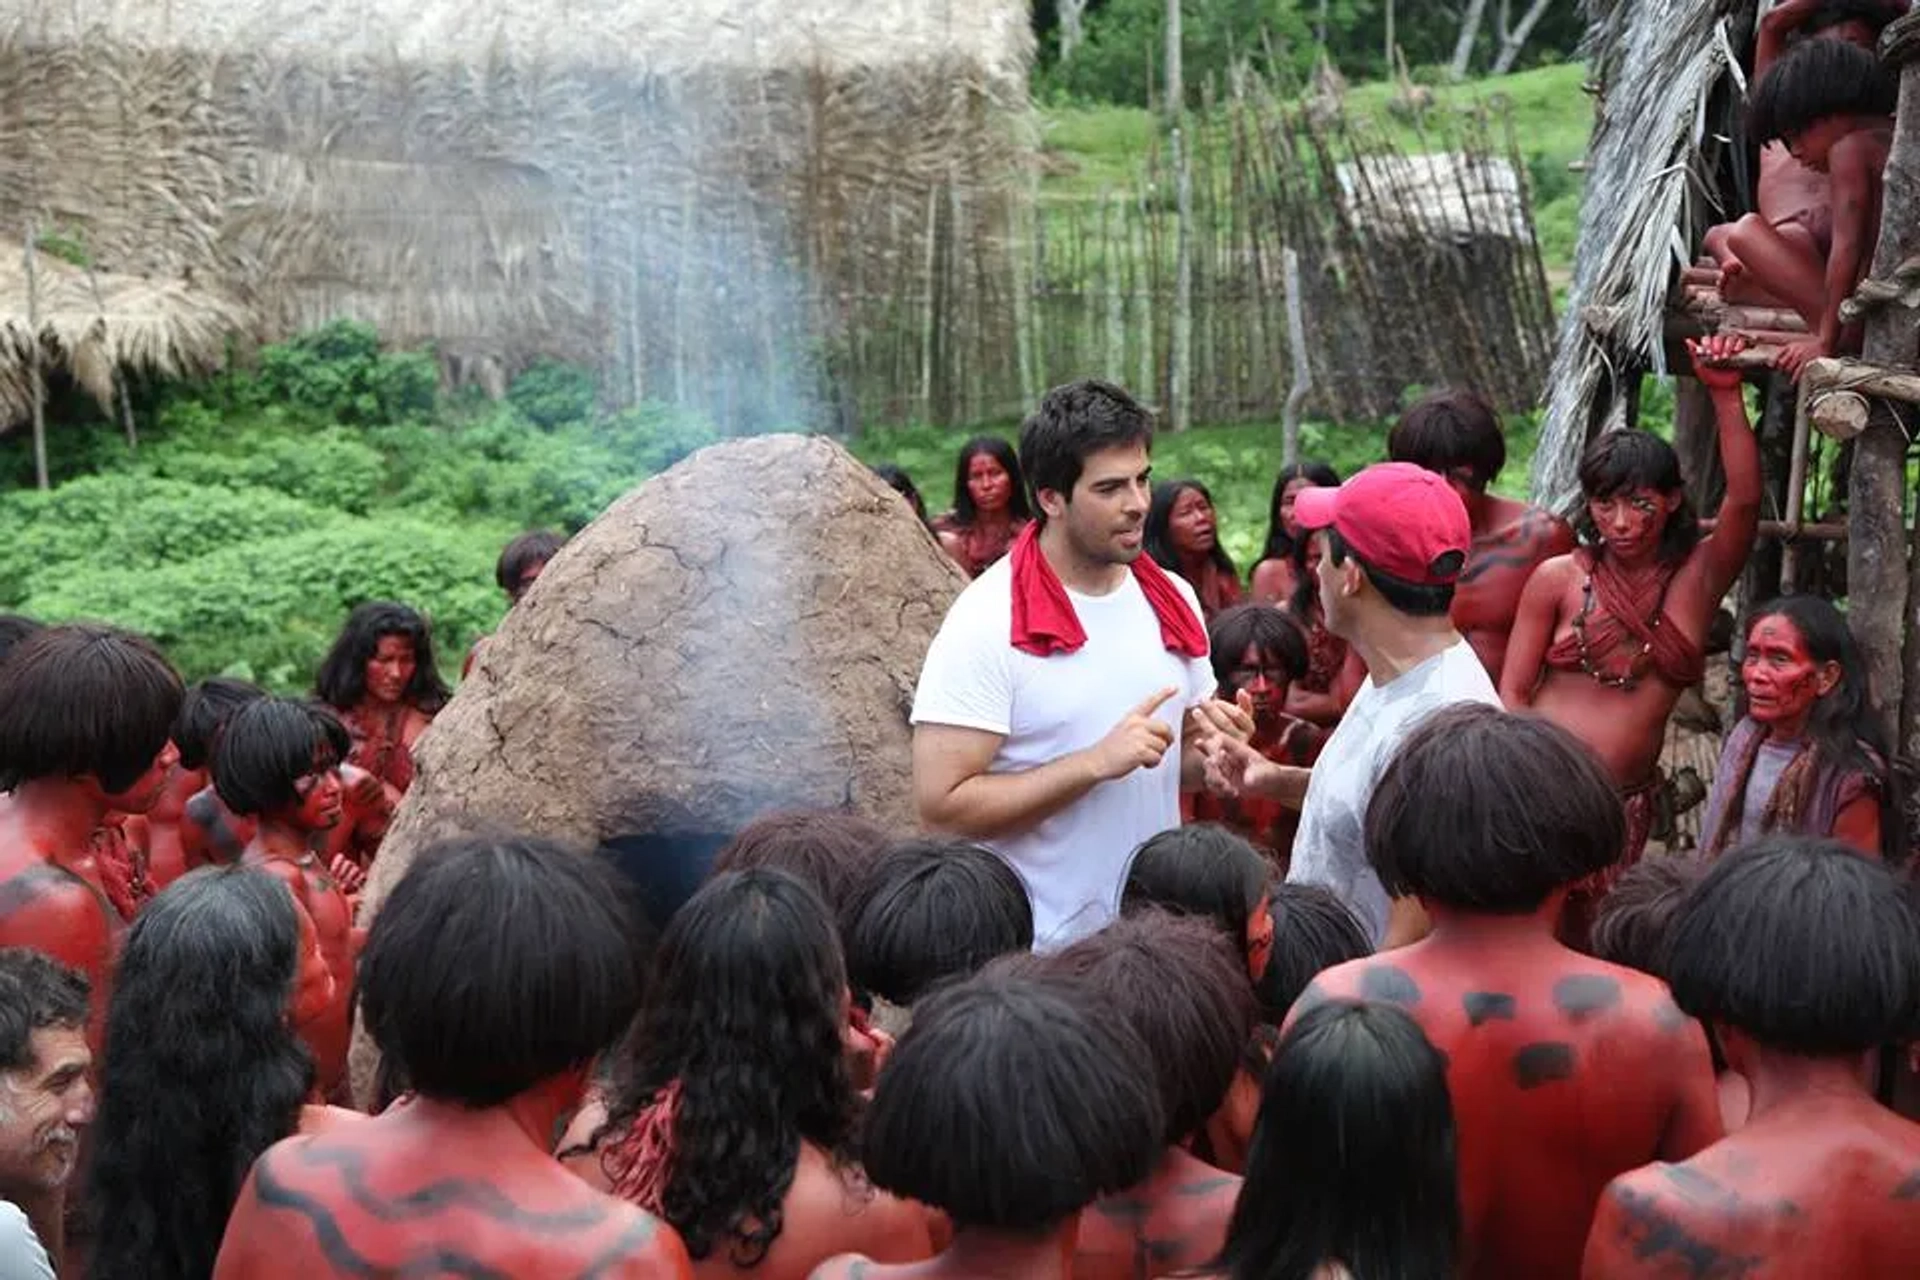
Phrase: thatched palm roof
x=87 y=324
x=676 y=191
x=660 y=37
x=1658 y=63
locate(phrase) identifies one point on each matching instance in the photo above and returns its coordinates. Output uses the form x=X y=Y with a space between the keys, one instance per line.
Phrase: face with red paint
x=1190 y=524
x=988 y=484
x=1631 y=521
x=322 y=799
x=1782 y=679
x=1264 y=679
x=390 y=669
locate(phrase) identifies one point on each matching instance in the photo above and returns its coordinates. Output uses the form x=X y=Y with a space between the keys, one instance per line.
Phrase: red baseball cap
x=1402 y=519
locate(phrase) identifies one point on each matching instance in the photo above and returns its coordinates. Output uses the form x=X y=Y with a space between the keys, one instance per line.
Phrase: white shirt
x=21 y=1256
x=1330 y=847
x=1074 y=861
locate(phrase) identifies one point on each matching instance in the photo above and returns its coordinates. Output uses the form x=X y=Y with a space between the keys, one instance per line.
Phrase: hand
x=1794 y=358
x=347 y=873
x=1233 y=767
x=1137 y=742
x=1710 y=355
x=365 y=793
x=1228 y=719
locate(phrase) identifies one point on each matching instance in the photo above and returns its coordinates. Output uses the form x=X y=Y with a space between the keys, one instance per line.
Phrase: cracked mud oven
x=738 y=634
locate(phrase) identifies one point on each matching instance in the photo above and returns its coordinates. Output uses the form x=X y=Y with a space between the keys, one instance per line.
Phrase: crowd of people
x=1288 y=928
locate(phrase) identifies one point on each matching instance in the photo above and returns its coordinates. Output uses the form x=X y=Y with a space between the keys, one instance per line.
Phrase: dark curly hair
x=203 y=1071
x=745 y=1013
x=342 y=681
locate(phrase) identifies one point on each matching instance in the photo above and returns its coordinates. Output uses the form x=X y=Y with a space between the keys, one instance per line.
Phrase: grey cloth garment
x=21 y=1255
x=1768 y=765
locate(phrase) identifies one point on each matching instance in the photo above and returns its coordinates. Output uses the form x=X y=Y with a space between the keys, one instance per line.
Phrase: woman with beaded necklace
x=1609 y=636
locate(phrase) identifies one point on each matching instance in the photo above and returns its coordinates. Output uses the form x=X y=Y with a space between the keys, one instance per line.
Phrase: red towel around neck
x=1043 y=619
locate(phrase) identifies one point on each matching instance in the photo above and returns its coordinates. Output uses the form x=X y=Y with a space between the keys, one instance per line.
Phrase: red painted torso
x=1175 y=1220
x=1626 y=728
x=53 y=902
x=383 y=738
x=1817 y=1187
x=397 y=1195
x=212 y=833
x=1518 y=539
x=332 y=917
x=167 y=858
x=1565 y=1073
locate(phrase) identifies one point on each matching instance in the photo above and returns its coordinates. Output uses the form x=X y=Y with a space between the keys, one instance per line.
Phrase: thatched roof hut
x=88 y=324
x=1662 y=67
x=676 y=193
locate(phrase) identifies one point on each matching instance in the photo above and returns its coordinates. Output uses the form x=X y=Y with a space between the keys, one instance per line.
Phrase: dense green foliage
x=1126 y=40
x=260 y=507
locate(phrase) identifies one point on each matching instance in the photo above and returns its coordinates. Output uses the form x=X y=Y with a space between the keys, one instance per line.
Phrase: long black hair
x=342 y=681
x=1844 y=726
x=1001 y=452
x=1280 y=543
x=745 y=1014
x=1158 y=534
x=1352 y=1159
x=203 y=1070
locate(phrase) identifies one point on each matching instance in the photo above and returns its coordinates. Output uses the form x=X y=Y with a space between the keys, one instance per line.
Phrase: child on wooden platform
x=1831 y=102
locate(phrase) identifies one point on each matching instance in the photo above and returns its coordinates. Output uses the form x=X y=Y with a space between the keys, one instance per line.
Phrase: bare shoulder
x=1639 y=1218
x=1342 y=982
x=1557 y=572
x=645 y=1247
x=1587 y=990
x=859 y=1215
x=1859 y=157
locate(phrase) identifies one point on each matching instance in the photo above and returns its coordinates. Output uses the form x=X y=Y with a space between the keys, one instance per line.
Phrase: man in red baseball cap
x=1397 y=537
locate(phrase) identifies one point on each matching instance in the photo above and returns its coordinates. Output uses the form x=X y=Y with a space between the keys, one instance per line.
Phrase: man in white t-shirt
x=1395 y=539
x=1068 y=694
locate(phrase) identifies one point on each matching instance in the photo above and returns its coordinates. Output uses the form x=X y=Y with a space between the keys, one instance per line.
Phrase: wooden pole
x=1878 y=586
x=1302 y=367
x=1176 y=83
x=1180 y=345
x=40 y=476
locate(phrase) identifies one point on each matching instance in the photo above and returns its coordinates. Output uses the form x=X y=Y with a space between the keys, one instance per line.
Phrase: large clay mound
x=740 y=633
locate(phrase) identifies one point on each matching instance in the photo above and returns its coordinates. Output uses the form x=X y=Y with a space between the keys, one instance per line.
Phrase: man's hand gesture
x=1137 y=742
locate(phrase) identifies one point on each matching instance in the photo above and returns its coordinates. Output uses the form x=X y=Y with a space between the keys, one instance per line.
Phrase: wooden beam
x=1831 y=374
x=1839 y=415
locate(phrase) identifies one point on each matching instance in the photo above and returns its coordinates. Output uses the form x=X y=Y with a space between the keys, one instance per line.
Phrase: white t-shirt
x=21 y=1255
x=1074 y=861
x=1330 y=847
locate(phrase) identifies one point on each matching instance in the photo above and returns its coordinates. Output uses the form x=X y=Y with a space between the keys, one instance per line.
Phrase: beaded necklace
x=1636 y=666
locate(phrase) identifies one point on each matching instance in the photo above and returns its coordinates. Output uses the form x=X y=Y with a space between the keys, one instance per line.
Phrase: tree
x=1469 y=33
x=1513 y=40
x=1072 y=14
